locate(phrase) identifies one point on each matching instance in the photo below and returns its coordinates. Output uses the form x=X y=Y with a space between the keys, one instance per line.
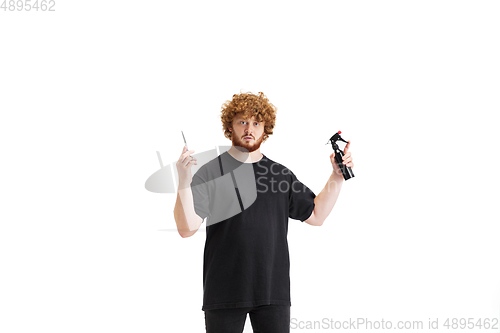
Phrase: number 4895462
x=28 y=5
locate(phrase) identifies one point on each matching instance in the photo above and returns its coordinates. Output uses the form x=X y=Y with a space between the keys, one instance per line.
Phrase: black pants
x=264 y=318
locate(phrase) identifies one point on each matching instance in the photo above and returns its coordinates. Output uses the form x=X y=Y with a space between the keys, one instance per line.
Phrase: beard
x=243 y=146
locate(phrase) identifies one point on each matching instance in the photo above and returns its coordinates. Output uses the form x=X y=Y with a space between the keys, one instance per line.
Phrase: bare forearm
x=184 y=214
x=327 y=198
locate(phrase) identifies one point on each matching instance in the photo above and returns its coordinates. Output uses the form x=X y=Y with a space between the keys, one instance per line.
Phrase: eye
x=256 y=124
x=242 y=121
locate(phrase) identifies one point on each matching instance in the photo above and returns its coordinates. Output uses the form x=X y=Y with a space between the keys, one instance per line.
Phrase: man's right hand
x=184 y=164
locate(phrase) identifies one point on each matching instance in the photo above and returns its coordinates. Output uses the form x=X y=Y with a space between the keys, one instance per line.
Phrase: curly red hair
x=250 y=105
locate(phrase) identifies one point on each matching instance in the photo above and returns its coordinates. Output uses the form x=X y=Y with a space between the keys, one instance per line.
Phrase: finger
x=347 y=160
x=186 y=154
x=346 y=156
x=347 y=146
x=189 y=152
x=187 y=159
x=181 y=158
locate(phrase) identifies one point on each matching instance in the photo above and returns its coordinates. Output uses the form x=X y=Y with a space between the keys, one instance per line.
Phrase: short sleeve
x=199 y=188
x=301 y=200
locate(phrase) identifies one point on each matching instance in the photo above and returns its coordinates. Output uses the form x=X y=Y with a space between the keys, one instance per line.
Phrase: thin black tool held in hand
x=185 y=143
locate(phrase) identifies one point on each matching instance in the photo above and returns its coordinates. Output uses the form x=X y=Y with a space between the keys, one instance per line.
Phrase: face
x=247 y=133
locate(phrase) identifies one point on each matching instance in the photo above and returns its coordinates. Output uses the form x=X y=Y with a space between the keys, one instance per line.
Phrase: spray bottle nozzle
x=336 y=137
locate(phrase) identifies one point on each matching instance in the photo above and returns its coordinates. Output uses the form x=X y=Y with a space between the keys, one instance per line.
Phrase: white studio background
x=91 y=91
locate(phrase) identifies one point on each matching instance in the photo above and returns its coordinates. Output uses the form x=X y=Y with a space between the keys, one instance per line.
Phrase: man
x=247 y=199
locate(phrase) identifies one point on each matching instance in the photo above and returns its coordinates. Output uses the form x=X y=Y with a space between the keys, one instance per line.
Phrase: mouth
x=248 y=138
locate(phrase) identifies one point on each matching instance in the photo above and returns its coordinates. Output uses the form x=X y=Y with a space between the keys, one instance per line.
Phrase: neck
x=245 y=156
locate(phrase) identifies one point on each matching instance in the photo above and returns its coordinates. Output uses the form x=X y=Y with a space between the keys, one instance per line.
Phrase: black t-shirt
x=247 y=206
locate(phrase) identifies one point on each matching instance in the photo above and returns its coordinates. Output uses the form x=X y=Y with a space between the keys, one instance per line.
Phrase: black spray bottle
x=346 y=171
